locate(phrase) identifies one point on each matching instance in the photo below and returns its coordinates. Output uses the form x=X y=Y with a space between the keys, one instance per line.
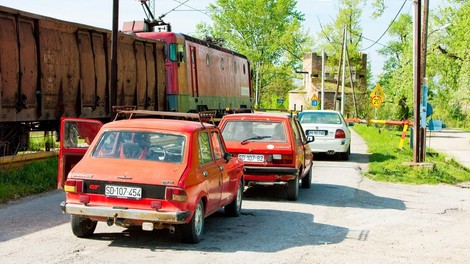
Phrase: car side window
x=205 y=151
x=297 y=135
x=217 y=145
x=301 y=131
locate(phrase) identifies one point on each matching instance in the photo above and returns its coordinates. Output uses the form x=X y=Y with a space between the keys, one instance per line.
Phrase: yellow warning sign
x=378 y=91
x=314 y=97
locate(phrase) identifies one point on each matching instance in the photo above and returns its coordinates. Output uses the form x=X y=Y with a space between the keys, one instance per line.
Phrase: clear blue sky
x=185 y=17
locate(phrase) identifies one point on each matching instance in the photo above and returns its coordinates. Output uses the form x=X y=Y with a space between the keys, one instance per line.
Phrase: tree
x=331 y=40
x=398 y=70
x=268 y=32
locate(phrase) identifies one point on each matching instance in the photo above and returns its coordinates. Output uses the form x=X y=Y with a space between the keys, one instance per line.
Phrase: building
x=305 y=97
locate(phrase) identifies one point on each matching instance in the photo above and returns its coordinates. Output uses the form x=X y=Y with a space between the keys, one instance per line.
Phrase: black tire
x=192 y=232
x=82 y=227
x=234 y=208
x=293 y=190
x=307 y=180
x=345 y=155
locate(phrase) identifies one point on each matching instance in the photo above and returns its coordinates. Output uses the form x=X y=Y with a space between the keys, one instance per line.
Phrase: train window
x=235 y=66
x=173 y=54
x=208 y=61
x=244 y=69
x=222 y=63
x=180 y=53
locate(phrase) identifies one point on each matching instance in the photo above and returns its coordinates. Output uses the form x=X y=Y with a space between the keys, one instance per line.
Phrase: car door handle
x=204 y=173
x=221 y=168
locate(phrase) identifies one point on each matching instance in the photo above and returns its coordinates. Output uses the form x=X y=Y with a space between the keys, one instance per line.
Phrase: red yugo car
x=273 y=147
x=148 y=172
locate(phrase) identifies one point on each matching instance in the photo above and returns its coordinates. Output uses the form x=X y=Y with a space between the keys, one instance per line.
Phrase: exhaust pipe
x=110 y=221
x=171 y=229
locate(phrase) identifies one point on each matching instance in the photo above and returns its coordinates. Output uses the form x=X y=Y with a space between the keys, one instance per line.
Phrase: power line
x=192 y=8
x=396 y=16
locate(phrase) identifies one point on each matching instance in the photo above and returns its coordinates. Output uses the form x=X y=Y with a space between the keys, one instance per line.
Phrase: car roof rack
x=203 y=117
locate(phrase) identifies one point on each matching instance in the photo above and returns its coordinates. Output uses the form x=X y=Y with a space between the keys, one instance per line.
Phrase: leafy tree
x=449 y=63
x=331 y=40
x=269 y=33
x=398 y=71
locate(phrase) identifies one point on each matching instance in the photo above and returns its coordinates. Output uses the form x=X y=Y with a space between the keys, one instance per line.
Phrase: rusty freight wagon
x=51 y=68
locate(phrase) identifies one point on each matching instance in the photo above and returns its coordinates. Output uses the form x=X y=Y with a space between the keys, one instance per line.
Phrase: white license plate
x=123 y=192
x=251 y=157
x=316 y=132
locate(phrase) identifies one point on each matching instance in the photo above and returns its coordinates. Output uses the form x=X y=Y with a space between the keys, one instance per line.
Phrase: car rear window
x=163 y=147
x=319 y=118
x=240 y=130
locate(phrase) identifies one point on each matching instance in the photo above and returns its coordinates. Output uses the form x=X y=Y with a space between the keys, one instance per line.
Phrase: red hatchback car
x=273 y=147
x=148 y=172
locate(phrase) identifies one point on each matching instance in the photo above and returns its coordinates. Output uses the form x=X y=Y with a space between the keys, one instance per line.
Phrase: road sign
x=378 y=91
x=376 y=101
x=314 y=97
x=314 y=102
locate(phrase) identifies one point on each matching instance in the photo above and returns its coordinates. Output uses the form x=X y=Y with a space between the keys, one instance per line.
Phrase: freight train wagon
x=51 y=68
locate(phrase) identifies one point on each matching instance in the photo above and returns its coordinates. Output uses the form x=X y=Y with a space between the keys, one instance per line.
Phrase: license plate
x=123 y=192
x=316 y=132
x=251 y=157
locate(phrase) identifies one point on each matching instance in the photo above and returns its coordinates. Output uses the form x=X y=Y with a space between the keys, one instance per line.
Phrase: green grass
x=386 y=160
x=37 y=177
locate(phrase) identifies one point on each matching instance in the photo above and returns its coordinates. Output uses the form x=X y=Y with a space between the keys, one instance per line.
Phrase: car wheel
x=345 y=155
x=234 y=208
x=293 y=190
x=192 y=231
x=307 y=180
x=82 y=227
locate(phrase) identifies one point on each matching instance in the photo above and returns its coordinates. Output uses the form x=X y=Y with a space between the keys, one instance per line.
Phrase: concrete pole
x=344 y=71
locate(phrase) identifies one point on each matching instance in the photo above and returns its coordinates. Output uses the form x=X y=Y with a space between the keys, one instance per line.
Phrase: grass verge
x=386 y=160
x=37 y=177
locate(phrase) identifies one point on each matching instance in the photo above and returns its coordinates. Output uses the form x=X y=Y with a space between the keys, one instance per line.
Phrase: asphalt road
x=454 y=143
x=343 y=218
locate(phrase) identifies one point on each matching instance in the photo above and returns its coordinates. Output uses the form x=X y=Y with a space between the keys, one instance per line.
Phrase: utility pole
x=335 y=102
x=417 y=82
x=424 y=44
x=114 y=55
x=344 y=71
x=323 y=79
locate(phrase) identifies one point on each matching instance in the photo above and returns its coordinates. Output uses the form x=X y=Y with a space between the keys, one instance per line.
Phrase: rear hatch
x=125 y=181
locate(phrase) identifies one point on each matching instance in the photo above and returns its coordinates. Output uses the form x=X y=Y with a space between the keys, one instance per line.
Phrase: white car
x=331 y=132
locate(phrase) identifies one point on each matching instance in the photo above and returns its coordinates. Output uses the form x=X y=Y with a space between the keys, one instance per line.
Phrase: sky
x=184 y=17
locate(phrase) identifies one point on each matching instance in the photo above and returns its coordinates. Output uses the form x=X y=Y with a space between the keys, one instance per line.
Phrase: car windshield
x=319 y=118
x=163 y=147
x=247 y=130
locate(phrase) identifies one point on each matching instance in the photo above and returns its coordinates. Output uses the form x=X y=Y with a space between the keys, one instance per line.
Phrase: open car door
x=76 y=135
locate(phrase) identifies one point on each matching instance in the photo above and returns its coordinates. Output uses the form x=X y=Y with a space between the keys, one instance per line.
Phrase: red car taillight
x=340 y=133
x=175 y=194
x=281 y=159
x=75 y=186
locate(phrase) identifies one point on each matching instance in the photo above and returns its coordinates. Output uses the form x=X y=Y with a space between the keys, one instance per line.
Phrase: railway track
x=13 y=162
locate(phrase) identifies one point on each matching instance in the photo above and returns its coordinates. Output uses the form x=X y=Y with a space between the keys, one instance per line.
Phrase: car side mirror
x=228 y=156
x=310 y=139
x=350 y=123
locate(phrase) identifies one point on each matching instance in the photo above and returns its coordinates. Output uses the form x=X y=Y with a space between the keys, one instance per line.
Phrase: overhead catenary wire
x=391 y=23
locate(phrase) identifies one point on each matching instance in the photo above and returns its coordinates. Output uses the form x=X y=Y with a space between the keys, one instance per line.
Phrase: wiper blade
x=254 y=138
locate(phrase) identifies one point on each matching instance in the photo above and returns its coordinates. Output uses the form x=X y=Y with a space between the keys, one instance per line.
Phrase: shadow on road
x=256 y=230
x=326 y=195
